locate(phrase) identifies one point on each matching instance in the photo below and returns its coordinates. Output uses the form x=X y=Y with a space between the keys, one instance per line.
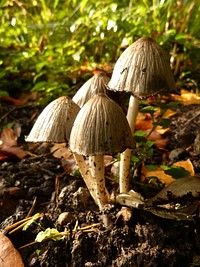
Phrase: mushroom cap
x=55 y=122
x=143 y=69
x=100 y=127
x=96 y=84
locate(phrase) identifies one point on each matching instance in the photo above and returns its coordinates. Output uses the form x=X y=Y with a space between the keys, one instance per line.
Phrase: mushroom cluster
x=99 y=127
x=94 y=125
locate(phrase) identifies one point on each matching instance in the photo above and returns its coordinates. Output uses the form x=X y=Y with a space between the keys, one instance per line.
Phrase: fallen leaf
x=9 y=256
x=169 y=113
x=143 y=122
x=160 y=142
x=165 y=178
x=187 y=165
x=12 y=100
x=9 y=146
x=187 y=97
x=62 y=152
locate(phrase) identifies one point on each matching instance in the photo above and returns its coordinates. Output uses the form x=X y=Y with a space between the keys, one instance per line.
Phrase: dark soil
x=39 y=184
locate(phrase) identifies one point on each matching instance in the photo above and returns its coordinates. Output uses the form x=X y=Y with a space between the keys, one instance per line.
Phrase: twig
x=32 y=208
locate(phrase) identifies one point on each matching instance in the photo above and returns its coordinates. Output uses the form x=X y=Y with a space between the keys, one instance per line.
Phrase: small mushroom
x=54 y=124
x=100 y=128
x=96 y=84
x=143 y=70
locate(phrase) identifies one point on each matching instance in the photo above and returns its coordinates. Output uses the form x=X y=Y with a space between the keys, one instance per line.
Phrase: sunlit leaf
x=48 y=233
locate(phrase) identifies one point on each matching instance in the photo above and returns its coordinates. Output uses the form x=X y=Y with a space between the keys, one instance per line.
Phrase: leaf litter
x=130 y=243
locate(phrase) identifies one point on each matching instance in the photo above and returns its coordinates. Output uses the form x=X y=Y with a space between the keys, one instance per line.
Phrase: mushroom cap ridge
x=55 y=122
x=100 y=127
x=96 y=84
x=143 y=70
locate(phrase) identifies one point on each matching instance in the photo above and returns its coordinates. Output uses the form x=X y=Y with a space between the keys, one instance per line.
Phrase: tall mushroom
x=143 y=70
x=96 y=84
x=100 y=128
x=54 y=124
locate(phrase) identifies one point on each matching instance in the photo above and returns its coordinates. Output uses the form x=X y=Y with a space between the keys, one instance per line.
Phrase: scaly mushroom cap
x=96 y=84
x=143 y=69
x=100 y=127
x=55 y=122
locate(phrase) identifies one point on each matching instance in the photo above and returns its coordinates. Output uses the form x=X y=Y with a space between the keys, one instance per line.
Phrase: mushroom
x=100 y=128
x=143 y=70
x=54 y=124
x=96 y=84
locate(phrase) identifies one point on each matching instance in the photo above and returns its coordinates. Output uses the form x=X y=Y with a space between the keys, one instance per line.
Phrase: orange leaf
x=12 y=100
x=143 y=122
x=165 y=178
x=160 y=142
x=9 y=256
x=187 y=97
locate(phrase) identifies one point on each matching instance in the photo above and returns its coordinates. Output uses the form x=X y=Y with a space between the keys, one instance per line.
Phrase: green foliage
x=44 y=42
x=30 y=222
x=176 y=171
x=50 y=233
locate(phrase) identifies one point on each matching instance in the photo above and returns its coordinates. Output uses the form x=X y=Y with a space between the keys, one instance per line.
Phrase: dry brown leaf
x=16 y=102
x=8 y=144
x=165 y=178
x=160 y=142
x=9 y=256
x=60 y=150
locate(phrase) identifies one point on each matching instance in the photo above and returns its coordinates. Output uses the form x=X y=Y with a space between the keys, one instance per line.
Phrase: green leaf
x=150 y=143
x=30 y=222
x=134 y=159
x=172 y=104
x=149 y=109
x=140 y=133
x=48 y=233
x=4 y=93
x=151 y=167
x=164 y=122
x=175 y=171
x=139 y=137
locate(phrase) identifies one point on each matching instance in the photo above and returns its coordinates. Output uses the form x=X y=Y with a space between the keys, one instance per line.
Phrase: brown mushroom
x=54 y=124
x=143 y=70
x=96 y=84
x=100 y=128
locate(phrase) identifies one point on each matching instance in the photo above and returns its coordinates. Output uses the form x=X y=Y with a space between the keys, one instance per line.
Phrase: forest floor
x=40 y=183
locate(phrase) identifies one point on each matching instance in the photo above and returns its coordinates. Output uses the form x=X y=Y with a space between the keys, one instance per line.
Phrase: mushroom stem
x=87 y=177
x=126 y=155
x=97 y=169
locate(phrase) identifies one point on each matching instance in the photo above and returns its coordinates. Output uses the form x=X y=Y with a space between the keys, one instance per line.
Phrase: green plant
x=47 y=45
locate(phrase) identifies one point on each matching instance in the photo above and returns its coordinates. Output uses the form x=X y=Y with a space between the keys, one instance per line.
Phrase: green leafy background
x=46 y=46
